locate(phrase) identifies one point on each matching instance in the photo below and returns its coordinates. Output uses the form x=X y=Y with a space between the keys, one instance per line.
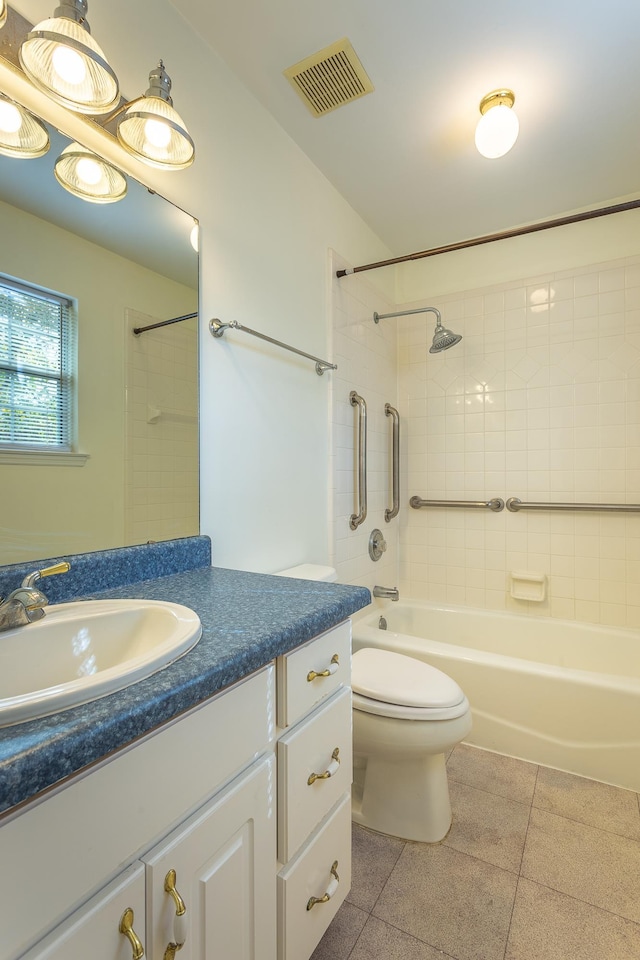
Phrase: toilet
x=406 y=716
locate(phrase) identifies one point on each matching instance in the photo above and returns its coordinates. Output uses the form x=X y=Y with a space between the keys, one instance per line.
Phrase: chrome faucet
x=386 y=593
x=26 y=604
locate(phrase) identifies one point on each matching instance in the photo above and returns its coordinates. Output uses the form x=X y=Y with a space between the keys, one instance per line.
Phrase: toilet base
x=409 y=800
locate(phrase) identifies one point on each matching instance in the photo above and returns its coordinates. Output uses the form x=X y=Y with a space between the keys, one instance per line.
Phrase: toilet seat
x=393 y=685
x=396 y=711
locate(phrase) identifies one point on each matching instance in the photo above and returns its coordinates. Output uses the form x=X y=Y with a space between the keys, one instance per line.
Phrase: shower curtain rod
x=492 y=237
x=164 y=323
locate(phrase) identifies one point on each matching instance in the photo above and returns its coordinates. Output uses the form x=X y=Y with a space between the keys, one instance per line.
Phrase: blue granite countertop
x=247 y=620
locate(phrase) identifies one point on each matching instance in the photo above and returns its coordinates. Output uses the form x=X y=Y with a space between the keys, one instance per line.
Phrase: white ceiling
x=404 y=156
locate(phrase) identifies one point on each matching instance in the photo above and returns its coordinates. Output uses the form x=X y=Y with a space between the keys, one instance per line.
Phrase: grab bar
x=496 y=504
x=358 y=518
x=217 y=329
x=514 y=505
x=395 y=463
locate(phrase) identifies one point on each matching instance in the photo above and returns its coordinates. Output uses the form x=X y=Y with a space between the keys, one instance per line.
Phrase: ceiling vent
x=330 y=78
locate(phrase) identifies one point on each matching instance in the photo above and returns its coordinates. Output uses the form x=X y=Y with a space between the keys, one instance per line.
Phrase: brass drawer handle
x=180 y=919
x=332 y=668
x=126 y=927
x=331 y=770
x=331 y=889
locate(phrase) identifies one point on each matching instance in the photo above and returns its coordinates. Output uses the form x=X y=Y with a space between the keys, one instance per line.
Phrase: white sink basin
x=83 y=650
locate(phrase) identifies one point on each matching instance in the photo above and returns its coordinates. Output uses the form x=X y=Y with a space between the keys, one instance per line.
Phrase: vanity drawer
x=300 y=683
x=309 y=875
x=319 y=745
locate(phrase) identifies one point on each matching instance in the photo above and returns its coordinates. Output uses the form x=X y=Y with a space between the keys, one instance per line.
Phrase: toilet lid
x=394 y=678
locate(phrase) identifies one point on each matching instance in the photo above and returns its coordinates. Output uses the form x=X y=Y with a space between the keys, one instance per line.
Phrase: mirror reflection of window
x=37 y=363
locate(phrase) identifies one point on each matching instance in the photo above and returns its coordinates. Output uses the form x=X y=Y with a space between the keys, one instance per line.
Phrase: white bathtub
x=555 y=692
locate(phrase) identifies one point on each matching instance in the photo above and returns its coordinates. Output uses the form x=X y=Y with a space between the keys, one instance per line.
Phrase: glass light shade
x=497 y=131
x=3 y=13
x=87 y=176
x=21 y=134
x=61 y=58
x=154 y=132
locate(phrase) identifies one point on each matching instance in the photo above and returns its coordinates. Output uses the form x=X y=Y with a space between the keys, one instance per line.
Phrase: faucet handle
x=62 y=567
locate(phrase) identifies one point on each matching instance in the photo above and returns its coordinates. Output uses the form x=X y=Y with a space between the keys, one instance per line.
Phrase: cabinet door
x=223 y=858
x=93 y=930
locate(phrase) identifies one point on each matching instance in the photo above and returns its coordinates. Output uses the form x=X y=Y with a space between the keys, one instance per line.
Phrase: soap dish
x=528 y=586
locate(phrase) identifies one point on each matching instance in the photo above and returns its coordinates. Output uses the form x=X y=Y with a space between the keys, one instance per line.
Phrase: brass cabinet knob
x=331 y=888
x=180 y=919
x=332 y=668
x=331 y=770
x=126 y=928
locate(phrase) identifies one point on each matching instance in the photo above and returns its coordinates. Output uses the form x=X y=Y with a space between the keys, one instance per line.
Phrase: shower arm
x=406 y=313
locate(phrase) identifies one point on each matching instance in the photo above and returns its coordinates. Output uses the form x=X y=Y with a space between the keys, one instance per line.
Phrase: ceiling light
x=61 y=58
x=3 y=12
x=21 y=134
x=152 y=130
x=497 y=128
x=87 y=176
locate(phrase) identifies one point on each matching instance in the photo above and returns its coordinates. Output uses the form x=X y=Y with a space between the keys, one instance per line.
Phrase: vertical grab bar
x=358 y=518
x=389 y=514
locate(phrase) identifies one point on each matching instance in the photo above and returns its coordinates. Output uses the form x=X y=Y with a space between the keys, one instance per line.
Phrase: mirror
x=132 y=475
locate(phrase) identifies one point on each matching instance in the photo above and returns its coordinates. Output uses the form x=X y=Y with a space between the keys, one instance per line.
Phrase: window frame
x=63 y=451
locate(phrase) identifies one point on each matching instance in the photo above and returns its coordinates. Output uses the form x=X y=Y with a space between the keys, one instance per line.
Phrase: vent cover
x=330 y=78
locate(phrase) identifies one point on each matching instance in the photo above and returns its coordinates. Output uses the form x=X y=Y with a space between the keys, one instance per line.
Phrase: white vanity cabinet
x=224 y=830
x=201 y=788
x=220 y=864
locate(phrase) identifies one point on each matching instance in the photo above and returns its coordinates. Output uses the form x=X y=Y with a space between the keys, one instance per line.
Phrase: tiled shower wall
x=161 y=431
x=366 y=354
x=541 y=401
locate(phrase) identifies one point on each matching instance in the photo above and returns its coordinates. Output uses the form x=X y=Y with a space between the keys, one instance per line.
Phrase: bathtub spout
x=386 y=593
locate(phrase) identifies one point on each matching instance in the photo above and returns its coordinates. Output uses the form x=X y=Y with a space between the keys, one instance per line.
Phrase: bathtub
x=554 y=692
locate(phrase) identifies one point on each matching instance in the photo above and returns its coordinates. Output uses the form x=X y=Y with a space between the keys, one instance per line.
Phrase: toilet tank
x=310 y=571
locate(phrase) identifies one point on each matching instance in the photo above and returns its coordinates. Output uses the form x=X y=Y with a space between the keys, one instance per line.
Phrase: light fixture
x=3 y=12
x=21 y=134
x=498 y=127
x=61 y=58
x=88 y=176
x=151 y=130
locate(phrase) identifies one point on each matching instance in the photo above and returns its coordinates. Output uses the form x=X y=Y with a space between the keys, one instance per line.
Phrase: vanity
x=204 y=810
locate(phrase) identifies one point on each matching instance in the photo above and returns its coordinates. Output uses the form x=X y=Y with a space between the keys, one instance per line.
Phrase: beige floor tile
x=374 y=857
x=548 y=925
x=593 y=865
x=451 y=901
x=342 y=934
x=486 y=826
x=588 y=801
x=504 y=776
x=380 y=941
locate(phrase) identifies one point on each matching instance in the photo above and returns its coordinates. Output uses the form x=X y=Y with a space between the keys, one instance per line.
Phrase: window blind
x=37 y=333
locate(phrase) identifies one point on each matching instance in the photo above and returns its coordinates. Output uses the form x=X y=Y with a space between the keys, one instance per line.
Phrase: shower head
x=442 y=338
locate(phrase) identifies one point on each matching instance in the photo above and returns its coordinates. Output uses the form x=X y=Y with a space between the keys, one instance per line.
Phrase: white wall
x=367 y=357
x=267 y=218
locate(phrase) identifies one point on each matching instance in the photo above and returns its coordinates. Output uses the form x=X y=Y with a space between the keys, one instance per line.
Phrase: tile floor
x=538 y=865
